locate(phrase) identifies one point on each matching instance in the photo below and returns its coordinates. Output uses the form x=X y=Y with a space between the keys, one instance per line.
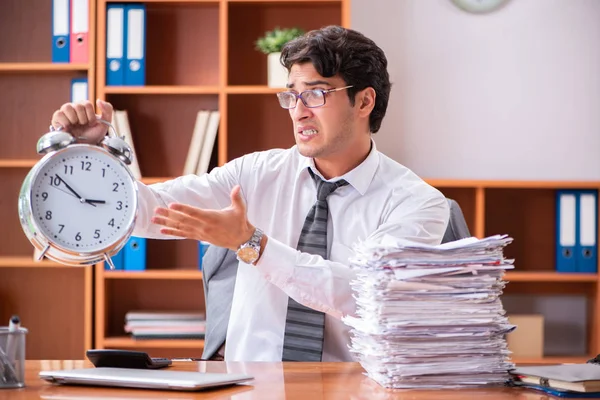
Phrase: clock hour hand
x=95 y=201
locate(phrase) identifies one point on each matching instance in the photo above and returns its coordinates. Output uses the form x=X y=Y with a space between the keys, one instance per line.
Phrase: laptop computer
x=143 y=378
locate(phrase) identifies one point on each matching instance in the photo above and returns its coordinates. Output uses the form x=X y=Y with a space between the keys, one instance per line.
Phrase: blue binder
x=587 y=231
x=202 y=247
x=135 y=254
x=118 y=261
x=79 y=90
x=135 y=45
x=61 y=31
x=115 y=44
x=566 y=230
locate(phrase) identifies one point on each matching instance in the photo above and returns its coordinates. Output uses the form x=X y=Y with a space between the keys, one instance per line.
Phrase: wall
x=514 y=94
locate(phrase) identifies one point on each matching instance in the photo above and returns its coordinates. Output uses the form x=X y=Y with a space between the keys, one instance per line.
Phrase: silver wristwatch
x=250 y=251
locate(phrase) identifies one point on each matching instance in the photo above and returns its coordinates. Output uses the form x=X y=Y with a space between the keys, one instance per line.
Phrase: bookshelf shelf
x=444 y=183
x=128 y=342
x=256 y=89
x=17 y=262
x=156 y=179
x=549 y=277
x=5 y=163
x=162 y=89
x=164 y=274
x=41 y=67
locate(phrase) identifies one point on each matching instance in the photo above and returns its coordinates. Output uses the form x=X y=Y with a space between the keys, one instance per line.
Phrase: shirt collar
x=360 y=177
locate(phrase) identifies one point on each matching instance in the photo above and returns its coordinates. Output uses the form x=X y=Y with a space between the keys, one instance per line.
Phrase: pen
x=11 y=344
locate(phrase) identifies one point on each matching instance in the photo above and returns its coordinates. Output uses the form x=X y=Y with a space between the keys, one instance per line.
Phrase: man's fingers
x=236 y=198
x=106 y=110
x=190 y=211
x=70 y=113
x=89 y=111
x=60 y=120
x=81 y=113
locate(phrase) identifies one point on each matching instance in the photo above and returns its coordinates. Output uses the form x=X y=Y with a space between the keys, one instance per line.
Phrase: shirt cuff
x=277 y=262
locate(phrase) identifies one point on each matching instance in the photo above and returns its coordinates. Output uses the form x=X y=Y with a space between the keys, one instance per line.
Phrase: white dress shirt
x=383 y=197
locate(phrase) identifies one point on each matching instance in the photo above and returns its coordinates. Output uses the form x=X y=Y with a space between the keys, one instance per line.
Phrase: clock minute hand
x=73 y=191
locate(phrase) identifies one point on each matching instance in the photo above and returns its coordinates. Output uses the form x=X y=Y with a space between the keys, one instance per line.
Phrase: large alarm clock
x=79 y=202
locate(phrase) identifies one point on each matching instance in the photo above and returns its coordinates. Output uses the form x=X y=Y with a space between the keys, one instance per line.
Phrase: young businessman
x=293 y=215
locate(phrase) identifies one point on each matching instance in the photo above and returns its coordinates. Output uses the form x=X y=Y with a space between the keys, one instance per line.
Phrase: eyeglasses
x=310 y=98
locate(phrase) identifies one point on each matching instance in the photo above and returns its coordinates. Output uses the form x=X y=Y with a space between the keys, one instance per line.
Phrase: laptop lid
x=143 y=378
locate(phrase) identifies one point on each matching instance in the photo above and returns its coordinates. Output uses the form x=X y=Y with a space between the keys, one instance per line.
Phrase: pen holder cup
x=12 y=358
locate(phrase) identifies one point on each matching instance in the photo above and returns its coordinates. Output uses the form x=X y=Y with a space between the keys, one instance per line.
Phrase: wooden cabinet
x=526 y=210
x=200 y=55
x=53 y=301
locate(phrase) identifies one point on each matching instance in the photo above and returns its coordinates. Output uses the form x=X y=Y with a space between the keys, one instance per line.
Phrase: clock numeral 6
x=78 y=236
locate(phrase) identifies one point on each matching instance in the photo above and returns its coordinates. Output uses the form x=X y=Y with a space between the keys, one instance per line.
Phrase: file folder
x=118 y=261
x=115 y=44
x=79 y=90
x=135 y=254
x=202 y=247
x=60 y=31
x=79 y=31
x=566 y=230
x=586 y=253
x=135 y=38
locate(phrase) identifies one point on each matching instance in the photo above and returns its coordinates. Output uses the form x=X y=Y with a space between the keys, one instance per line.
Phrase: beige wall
x=514 y=94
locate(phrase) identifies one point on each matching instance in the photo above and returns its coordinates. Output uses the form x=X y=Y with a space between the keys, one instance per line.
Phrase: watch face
x=248 y=254
x=83 y=199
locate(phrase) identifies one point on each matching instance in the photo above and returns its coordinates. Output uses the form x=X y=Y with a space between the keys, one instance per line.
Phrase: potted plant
x=271 y=44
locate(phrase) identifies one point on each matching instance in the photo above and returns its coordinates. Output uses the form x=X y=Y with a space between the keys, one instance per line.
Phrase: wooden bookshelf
x=212 y=64
x=54 y=301
x=526 y=210
x=207 y=61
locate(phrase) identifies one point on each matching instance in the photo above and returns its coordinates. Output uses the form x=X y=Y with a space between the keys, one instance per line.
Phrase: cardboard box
x=527 y=340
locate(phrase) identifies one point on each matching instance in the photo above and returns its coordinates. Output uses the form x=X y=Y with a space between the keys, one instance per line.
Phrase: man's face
x=327 y=132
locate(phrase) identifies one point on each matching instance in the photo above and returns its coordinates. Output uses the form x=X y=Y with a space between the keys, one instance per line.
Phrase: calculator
x=125 y=359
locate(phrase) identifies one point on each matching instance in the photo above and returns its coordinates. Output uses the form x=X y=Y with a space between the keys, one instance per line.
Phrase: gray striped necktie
x=304 y=327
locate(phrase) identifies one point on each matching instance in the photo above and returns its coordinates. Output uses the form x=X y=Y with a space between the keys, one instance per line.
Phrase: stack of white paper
x=431 y=316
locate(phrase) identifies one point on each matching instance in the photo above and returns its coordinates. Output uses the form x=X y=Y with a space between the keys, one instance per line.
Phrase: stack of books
x=165 y=325
x=431 y=316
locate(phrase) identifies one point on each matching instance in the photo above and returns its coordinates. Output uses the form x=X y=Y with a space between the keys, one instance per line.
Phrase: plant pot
x=277 y=73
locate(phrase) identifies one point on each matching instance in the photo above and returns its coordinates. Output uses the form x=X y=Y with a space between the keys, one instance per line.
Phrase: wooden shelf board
x=42 y=67
x=156 y=179
x=549 y=277
x=164 y=1
x=127 y=342
x=492 y=184
x=154 y=274
x=282 y=1
x=551 y=360
x=8 y=262
x=175 y=89
x=7 y=163
x=239 y=89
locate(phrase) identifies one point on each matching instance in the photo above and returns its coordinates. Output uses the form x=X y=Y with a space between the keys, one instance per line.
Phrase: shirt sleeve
x=324 y=285
x=208 y=191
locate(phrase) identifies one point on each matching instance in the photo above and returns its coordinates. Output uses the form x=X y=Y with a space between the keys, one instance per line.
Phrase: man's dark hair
x=357 y=59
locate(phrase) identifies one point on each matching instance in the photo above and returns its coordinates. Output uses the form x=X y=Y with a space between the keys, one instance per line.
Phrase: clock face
x=83 y=200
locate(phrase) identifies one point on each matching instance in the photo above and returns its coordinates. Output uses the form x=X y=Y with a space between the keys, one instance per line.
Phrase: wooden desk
x=312 y=381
